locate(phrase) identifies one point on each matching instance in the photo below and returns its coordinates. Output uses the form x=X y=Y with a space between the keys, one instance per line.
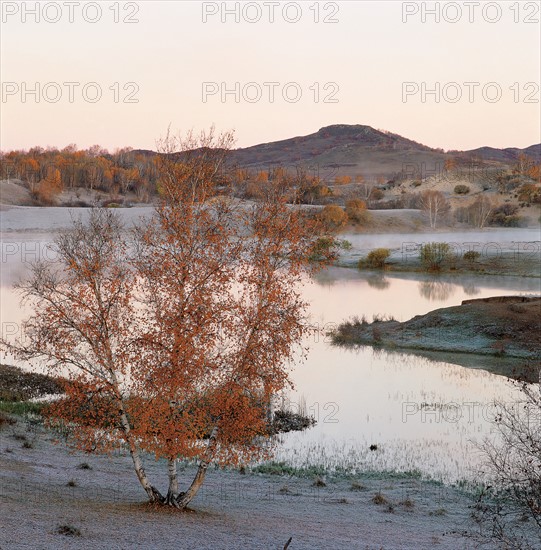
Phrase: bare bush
x=511 y=506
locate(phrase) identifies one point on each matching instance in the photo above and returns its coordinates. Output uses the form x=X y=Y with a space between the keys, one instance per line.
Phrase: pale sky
x=365 y=61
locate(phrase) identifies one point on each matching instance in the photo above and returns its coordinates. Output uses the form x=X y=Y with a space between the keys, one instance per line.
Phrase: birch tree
x=481 y=209
x=176 y=339
x=435 y=205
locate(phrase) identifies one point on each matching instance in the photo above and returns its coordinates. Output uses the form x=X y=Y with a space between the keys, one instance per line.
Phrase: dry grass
x=319 y=482
x=68 y=531
x=380 y=499
x=408 y=503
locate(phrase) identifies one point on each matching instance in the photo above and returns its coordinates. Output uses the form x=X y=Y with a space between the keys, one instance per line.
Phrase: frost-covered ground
x=50 y=219
x=232 y=510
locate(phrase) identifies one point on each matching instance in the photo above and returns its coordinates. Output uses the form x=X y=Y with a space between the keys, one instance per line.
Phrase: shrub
x=356 y=486
x=322 y=248
x=356 y=211
x=471 y=255
x=112 y=203
x=342 y=180
x=462 y=189
x=391 y=204
x=6 y=420
x=433 y=255
x=376 y=258
x=376 y=335
x=327 y=248
x=313 y=192
x=255 y=190
x=408 y=503
x=376 y=194
x=505 y=215
x=333 y=217
x=528 y=193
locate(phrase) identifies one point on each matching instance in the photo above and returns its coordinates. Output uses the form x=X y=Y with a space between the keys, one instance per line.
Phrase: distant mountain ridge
x=508 y=154
x=357 y=148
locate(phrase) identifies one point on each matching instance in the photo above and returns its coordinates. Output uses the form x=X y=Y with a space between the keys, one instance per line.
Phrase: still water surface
x=422 y=414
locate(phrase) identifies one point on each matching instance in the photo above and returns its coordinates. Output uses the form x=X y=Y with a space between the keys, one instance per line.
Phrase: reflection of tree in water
x=378 y=281
x=436 y=290
x=324 y=278
x=470 y=289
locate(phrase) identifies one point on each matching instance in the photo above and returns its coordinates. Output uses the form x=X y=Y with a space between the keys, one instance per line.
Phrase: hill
x=343 y=149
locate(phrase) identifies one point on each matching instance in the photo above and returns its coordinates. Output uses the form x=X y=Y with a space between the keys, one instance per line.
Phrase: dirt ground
x=250 y=511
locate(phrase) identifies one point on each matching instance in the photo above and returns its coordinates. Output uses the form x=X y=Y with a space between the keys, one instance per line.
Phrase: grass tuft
x=356 y=486
x=408 y=503
x=68 y=531
x=319 y=482
x=379 y=499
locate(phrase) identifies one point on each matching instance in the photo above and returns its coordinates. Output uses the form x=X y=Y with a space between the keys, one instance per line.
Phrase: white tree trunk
x=153 y=494
x=173 y=482
x=184 y=499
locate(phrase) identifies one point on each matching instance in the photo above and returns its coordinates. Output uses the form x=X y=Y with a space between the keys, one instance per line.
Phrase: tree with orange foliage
x=528 y=193
x=175 y=342
x=342 y=180
x=534 y=172
x=262 y=176
x=450 y=164
x=356 y=210
x=333 y=217
x=49 y=187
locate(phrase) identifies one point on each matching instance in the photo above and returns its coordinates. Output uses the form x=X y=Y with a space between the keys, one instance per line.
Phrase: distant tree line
x=50 y=171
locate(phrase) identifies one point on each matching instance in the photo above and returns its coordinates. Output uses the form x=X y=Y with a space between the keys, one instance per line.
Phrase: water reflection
x=378 y=281
x=470 y=289
x=436 y=290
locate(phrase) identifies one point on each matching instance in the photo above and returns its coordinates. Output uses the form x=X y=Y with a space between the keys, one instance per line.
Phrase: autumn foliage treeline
x=49 y=171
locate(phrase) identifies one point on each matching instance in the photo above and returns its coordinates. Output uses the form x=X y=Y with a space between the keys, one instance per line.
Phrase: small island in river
x=501 y=326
